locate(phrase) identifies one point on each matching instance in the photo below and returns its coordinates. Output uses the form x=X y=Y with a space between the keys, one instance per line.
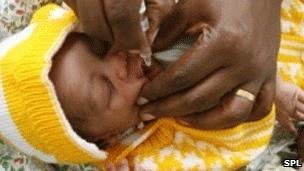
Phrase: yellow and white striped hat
x=31 y=118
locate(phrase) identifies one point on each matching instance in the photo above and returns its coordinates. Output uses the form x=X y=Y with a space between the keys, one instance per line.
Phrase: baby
x=97 y=94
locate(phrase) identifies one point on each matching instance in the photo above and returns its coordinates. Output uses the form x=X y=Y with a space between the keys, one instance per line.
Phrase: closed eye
x=110 y=87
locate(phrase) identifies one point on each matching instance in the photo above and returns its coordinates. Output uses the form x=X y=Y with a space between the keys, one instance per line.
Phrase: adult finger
x=188 y=70
x=233 y=111
x=157 y=11
x=203 y=96
x=264 y=100
x=125 y=21
x=92 y=22
x=183 y=16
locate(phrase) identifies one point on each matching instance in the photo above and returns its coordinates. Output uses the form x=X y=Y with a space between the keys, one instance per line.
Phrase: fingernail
x=140 y=126
x=142 y=101
x=147 y=117
x=146 y=56
x=134 y=51
x=142 y=9
x=183 y=122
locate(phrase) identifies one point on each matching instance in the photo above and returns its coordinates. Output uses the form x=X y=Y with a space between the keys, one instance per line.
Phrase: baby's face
x=97 y=94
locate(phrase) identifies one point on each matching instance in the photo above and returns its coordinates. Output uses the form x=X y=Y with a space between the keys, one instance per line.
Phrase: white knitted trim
x=9 y=131
x=292 y=43
x=90 y=148
x=291 y=52
x=16 y=39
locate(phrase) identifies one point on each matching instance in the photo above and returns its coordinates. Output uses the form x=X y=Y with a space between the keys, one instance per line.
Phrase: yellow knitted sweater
x=291 y=54
x=32 y=119
x=30 y=114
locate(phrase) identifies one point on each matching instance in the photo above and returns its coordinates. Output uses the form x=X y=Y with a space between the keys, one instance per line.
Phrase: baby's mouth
x=135 y=66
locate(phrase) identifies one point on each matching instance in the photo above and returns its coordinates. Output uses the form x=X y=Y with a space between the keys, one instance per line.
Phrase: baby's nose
x=126 y=66
x=117 y=63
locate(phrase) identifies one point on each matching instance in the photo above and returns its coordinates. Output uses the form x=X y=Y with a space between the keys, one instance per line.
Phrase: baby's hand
x=289 y=104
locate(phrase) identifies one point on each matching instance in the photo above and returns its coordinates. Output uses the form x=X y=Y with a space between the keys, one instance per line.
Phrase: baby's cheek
x=123 y=106
x=110 y=122
x=127 y=94
x=124 y=113
x=126 y=116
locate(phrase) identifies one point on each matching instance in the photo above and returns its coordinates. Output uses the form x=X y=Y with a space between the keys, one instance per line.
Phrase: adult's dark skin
x=108 y=20
x=118 y=22
x=239 y=53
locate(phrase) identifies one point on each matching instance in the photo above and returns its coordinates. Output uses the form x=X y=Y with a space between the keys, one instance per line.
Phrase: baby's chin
x=115 y=140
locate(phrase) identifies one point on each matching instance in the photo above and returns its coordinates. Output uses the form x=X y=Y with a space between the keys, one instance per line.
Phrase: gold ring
x=245 y=94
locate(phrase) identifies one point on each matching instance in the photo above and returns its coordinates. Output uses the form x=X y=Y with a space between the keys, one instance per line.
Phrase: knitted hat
x=31 y=118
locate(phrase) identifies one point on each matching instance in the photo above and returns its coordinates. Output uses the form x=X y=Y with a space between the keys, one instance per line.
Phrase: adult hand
x=114 y=21
x=118 y=22
x=238 y=53
x=157 y=11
